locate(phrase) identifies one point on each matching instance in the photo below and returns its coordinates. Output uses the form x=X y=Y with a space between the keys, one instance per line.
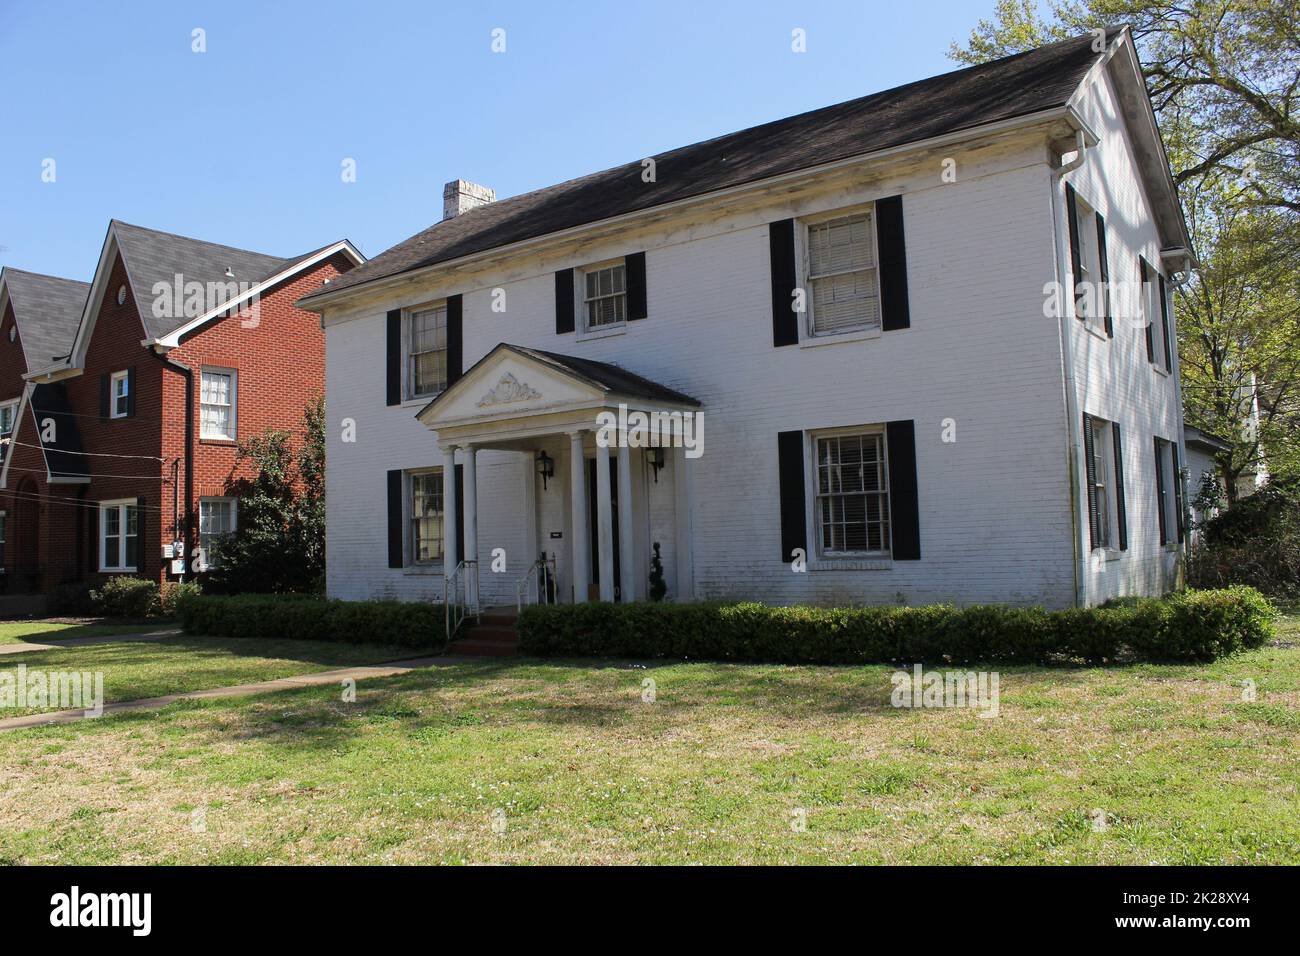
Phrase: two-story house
x=125 y=398
x=915 y=347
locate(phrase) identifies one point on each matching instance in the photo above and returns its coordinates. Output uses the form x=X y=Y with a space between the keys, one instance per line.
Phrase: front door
x=593 y=525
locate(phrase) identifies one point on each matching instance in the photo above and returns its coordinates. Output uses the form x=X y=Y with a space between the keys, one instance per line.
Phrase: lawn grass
x=172 y=665
x=39 y=632
x=1173 y=764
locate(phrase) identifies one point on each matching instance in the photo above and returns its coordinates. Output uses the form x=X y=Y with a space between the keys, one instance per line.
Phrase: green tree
x=279 y=541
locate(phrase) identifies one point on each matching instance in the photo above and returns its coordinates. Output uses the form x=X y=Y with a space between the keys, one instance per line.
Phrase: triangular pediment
x=508 y=383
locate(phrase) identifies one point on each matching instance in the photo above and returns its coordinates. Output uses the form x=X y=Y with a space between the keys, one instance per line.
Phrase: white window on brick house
x=8 y=413
x=216 y=520
x=3 y=521
x=426 y=343
x=119 y=531
x=843 y=285
x=426 y=515
x=218 y=388
x=604 y=299
x=852 y=504
x=120 y=394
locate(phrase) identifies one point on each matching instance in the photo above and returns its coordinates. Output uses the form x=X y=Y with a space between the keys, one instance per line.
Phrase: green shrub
x=121 y=596
x=1191 y=626
x=312 y=618
x=171 y=593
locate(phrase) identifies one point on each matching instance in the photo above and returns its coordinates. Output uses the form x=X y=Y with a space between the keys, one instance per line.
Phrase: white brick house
x=869 y=305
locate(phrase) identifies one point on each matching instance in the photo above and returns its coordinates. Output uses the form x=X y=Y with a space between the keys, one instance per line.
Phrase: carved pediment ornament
x=508 y=389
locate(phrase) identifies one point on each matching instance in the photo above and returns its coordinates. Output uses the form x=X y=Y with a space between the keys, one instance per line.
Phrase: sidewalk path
x=86 y=641
x=390 y=669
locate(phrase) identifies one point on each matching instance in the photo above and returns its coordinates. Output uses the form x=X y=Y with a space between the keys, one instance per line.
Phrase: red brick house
x=125 y=399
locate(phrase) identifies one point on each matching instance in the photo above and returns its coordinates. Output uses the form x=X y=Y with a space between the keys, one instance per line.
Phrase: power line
x=66 y=501
x=46 y=471
x=90 y=454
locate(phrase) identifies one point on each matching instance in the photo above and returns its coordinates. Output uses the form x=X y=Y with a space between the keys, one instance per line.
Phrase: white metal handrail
x=459 y=599
x=541 y=573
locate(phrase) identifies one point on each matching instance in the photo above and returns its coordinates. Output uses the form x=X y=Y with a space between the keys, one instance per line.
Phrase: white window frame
x=204 y=564
x=804 y=233
x=582 y=300
x=814 y=438
x=124 y=378
x=1089 y=278
x=4 y=525
x=1151 y=312
x=13 y=422
x=1169 y=503
x=120 y=505
x=409 y=353
x=1103 y=478
x=233 y=433
x=412 y=538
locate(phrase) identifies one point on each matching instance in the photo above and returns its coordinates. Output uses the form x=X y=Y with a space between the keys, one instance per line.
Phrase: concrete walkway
x=87 y=641
x=362 y=672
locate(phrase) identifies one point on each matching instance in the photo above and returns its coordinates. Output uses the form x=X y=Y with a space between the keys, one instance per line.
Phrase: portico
x=583 y=491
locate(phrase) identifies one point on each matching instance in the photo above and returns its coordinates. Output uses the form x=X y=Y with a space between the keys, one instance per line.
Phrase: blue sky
x=244 y=144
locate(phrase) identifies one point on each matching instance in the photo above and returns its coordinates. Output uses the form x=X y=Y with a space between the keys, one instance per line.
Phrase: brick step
x=469 y=647
x=498 y=619
x=492 y=634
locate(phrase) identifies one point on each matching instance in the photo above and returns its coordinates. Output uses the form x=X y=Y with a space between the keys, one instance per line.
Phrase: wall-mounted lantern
x=545 y=467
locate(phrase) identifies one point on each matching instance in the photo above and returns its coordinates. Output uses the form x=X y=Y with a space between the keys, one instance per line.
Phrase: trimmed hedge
x=313 y=618
x=1188 y=626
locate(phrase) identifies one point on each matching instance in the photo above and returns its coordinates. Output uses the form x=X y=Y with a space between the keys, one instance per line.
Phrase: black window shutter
x=563 y=301
x=1178 y=489
x=130 y=390
x=143 y=562
x=785 y=320
x=395 y=357
x=396 y=551
x=893 y=264
x=904 y=508
x=1164 y=322
x=455 y=339
x=460 y=512
x=634 y=269
x=1160 y=491
x=794 y=527
x=1091 y=474
x=1121 y=512
x=1146 y=277
x=1103 y=273
x=103 y=395
x=1076 y=261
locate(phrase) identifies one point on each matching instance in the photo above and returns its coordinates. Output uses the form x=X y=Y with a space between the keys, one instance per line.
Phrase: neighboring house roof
x=1194 y=437
x=63 y=451
x=47 y=310
x=152 y=256
x=1003 y=89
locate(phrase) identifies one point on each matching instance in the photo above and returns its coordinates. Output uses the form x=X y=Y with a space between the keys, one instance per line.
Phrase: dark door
x=593 y=519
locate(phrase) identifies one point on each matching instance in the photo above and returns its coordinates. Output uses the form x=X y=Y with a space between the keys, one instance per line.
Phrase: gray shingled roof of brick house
x=152 y=256
x=1003 y=89
x=47 y=309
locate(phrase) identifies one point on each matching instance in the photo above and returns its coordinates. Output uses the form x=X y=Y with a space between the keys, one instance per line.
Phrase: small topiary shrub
x=1192 y=626
x=312 y=618
x=126 y=597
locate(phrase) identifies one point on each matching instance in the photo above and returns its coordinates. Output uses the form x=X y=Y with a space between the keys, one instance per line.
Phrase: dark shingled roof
x=604 y=375
x=999 y=90
x=63 y=452
x=47 y=309
x=152 y=256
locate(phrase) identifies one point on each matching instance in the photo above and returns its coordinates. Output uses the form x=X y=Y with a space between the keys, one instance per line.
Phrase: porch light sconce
x=545 y=467
x=655 y=456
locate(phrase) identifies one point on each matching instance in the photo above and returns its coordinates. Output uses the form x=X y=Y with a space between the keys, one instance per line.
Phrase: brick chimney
x=461 y=195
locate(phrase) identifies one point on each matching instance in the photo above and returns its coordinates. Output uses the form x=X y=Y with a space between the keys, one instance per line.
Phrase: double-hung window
x=119 y=394
x=1153 y=315
x=216 y=521
x=217 y=403
x=118 y=535
x=843 y=282
x=8 y=411
x=852 y=493
x=426 y=338
x=426 y=516
x=1101 y=472
x=604 y=301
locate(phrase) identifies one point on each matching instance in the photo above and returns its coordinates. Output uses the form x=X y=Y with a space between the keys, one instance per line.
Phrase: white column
x=604 y=522
x=471 y=523
x=682 y=546
x=579 y=547
x=627 y=577
x=449 y=511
